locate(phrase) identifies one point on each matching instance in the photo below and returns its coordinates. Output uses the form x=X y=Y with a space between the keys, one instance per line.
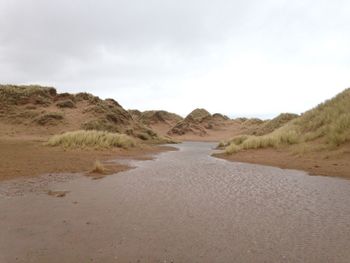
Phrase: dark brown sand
x=184 y=206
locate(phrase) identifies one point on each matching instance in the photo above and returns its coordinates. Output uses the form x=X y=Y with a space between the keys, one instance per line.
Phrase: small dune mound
x=198 y=115
x=159 y=116
x=193 y=123
x=199 y=122
x=184 y=127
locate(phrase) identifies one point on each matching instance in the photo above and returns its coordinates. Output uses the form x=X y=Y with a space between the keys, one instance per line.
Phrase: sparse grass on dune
x=25 y=90
x=92 y=139
x=156 y=116
x=329 y=123
x=13 y=94
x=198 y=114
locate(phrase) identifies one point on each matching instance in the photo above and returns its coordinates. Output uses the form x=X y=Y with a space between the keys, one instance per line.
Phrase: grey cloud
x=43 y=34
x=139 y=44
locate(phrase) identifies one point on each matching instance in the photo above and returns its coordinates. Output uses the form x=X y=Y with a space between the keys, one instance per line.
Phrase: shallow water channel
x=184 y=206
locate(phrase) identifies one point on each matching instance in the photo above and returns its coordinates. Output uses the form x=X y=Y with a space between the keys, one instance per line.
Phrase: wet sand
x=28 y=157
x=329 y=163
x=184 y=206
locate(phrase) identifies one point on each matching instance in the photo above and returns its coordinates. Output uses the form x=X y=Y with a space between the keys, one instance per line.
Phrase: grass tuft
x=232 y=148
x=98 y=168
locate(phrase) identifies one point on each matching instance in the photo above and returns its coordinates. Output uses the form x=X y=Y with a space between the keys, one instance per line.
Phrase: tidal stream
x=184 y=206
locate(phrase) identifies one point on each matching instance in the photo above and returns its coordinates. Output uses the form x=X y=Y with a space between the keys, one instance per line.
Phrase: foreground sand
x=183 y=207
x=25 y=157
x=330 y=163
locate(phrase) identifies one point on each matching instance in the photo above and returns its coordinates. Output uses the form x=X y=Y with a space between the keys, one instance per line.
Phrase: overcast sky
x=240 y=58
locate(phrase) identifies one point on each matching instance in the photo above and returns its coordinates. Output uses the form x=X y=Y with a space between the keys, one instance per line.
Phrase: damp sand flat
x=185 y=206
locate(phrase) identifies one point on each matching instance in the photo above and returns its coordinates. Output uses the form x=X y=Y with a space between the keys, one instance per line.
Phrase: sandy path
x=185 y=206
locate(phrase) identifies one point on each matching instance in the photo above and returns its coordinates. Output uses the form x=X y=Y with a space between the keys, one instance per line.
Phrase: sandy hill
x=328 y=124
x=159 y=116
x=193 y=123
x=152 y=117
x=41 y=111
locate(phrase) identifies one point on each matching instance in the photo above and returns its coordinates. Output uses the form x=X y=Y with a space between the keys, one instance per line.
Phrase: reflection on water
x=185 y=206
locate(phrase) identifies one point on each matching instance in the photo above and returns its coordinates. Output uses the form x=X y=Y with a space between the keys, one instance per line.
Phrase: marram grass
x=274 y=139
x=91 y=139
